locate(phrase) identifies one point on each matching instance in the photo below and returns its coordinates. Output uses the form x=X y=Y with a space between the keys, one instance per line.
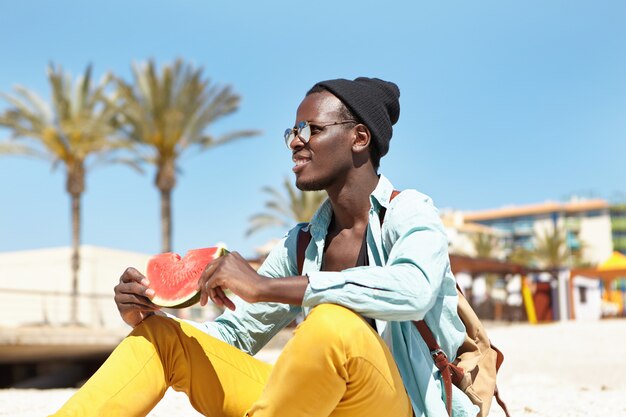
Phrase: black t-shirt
x=361 y=260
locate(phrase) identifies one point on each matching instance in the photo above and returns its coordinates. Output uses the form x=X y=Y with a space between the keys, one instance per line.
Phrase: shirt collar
x=379 y=198
x=381 y=194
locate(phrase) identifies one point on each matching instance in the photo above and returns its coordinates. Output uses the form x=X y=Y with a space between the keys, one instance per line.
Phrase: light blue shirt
x=409 y=278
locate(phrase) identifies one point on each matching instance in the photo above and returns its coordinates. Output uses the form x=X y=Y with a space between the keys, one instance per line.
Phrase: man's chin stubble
x=310 y=185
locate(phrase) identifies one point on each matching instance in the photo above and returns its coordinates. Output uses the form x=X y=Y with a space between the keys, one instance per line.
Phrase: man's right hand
x=133 y=297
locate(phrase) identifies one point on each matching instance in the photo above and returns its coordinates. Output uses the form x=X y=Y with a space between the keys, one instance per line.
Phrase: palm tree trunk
x=75 y=256
x=166 y=220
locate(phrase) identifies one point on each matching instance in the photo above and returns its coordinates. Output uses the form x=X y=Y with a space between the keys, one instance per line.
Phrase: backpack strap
x=383 y=210
x=304 y=237
x=501 y=402
x=449 y=372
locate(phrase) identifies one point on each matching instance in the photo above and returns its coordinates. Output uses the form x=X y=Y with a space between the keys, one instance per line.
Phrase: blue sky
x=502 y=102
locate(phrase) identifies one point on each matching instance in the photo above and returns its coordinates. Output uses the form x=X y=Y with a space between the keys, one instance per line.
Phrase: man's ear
x=362 y=138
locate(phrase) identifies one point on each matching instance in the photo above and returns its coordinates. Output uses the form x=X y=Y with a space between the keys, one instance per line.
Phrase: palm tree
x=485 y=245
x=551 y=249
x=297 y=206
x=522 y=256
x=167 y=114
x=77 y=125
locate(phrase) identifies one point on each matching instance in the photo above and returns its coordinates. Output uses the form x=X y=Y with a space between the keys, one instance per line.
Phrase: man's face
x=328 y=154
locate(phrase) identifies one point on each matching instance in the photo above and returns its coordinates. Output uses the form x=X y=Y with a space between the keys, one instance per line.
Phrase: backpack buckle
x=436 y=352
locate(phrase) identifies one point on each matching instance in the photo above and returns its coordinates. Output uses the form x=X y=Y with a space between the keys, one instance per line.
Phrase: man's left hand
x=230 y=272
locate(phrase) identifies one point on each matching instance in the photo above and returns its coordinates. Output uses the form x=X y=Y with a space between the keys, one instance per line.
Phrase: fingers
x=217 y=295
x=211 y=282
x=205 y=291
x=133 y=292
x=132 y=275
x=135 y=296
x=137 y=304
x=225 y=301
x=135 y=288
x=204 y=295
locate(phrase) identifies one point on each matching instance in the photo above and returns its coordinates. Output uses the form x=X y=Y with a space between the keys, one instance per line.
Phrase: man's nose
x=296 y=142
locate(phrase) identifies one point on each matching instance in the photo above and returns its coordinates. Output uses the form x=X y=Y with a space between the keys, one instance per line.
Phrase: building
x=587 y=224
x=462 y=235
x=36 y=286
x=618 y=226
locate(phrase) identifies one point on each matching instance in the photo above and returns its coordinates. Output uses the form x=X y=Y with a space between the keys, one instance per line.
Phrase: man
x=363 y=281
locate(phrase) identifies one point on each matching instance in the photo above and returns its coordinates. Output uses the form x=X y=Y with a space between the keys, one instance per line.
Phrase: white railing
x=24 y=307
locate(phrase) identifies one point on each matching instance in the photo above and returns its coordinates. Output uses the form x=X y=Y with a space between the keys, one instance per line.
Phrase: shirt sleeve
x=407 y=286
x=250 y=326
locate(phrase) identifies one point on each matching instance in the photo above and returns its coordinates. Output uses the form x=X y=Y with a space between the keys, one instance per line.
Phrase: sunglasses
x=303 y=130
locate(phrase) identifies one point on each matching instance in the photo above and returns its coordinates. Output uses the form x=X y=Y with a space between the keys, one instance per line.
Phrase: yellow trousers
x=335 y=365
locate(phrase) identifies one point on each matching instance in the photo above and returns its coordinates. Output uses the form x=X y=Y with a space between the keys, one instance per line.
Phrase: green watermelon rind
x=195 y=298
x=184 y=303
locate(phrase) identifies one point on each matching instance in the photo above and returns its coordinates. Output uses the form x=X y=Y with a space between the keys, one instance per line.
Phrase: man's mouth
x=299 y=161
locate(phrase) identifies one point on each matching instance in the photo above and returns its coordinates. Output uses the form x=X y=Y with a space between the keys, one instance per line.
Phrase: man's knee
x=334 y=322
x=155 y=326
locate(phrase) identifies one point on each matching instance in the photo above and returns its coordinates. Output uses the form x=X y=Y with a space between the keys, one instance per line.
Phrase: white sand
x=558 y=370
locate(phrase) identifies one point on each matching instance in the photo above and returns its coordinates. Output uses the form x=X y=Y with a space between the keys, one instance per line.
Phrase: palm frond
x=172 y=108
x=485 y=245
x=79 y=121
x=134 y=163
x=283 y=209
x=279 y=207
x=262 y=221
x=9 y=148
x=551 y=248
x=209 y=141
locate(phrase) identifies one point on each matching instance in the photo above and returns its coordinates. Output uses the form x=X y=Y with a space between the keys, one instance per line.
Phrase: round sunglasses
x=303 y=130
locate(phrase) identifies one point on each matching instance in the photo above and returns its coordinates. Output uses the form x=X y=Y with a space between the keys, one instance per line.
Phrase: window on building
x=572 y=240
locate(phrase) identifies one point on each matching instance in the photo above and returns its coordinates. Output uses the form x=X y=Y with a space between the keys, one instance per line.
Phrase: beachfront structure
x=587 y=224
x=618 y=226
x=40 y=347
x=462 y=235
x=587 y=227
x=36 y=286
x=586 y=296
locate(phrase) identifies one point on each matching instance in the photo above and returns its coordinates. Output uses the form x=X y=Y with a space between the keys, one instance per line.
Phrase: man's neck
x=351 y=202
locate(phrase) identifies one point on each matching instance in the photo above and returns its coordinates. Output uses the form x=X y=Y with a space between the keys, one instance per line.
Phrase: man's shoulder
x=411 y=206
x=413 y=196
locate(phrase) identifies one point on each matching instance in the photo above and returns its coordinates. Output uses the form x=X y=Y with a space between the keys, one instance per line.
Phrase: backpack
x=477 y=360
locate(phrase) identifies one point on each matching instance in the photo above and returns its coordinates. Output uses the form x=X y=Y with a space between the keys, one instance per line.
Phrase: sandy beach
x=567 y=369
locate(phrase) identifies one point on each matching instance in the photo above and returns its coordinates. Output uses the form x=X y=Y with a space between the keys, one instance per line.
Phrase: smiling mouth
x=300 y=162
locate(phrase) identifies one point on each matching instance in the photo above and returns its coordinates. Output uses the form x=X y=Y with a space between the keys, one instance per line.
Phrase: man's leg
x=219 y=379
x=335 y=365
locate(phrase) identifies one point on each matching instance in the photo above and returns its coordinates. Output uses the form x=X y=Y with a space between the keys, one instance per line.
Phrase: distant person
x=357 y=353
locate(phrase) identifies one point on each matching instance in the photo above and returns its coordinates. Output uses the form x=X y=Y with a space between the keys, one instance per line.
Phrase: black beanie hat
x=374 y=101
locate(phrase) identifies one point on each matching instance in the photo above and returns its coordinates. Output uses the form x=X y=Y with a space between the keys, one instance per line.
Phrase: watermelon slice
x=175 y=279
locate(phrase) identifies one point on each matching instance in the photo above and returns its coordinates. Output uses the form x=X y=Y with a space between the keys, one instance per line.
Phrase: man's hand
x=133 y=297
x=230 y=272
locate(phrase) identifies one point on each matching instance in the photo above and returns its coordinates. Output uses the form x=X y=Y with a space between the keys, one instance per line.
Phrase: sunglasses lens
x=288 y=135
x=304 y=131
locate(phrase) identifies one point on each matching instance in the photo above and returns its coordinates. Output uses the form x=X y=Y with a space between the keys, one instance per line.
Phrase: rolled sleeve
x=250 y=326
x=323 y=280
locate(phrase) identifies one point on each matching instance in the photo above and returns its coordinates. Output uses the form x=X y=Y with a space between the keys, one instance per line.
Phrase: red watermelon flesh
x=175 y=279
